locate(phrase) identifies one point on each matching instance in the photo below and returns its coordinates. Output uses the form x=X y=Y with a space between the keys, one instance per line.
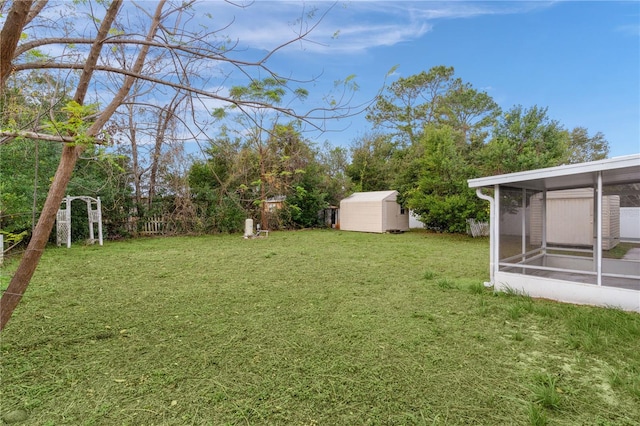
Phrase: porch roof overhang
x=615 y=171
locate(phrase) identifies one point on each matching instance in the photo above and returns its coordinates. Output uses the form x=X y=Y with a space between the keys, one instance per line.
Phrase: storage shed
x=376 y=211
x=538 y=244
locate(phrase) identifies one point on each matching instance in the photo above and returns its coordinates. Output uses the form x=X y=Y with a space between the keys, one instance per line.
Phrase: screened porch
x=558 y=233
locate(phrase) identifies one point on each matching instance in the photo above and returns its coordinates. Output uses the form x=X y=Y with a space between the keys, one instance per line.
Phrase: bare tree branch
x=8 y=135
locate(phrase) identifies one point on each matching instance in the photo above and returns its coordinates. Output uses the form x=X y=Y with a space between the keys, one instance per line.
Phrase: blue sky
x=579 y=59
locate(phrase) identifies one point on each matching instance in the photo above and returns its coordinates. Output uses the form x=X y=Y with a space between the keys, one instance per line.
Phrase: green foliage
x=269 y=90
x=19 y=160
x=441 y=197
x=372 y=165
x=104 y=174
x=470 y=112
x=76 y=124
x=218 y=209
x=336 y=182
x=229 y=186
x=307 y=200
x=11 y=238
x=583 y=148
x=525 y=139
x=430 y=169
x=411 y=103
x=98 y=174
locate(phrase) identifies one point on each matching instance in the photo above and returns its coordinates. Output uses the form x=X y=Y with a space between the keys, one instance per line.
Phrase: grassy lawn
x=306 y=328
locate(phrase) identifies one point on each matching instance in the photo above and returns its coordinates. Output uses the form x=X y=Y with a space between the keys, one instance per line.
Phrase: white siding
x=414 y=221
x=630 y=223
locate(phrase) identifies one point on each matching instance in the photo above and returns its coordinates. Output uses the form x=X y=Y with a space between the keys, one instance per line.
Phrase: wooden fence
x=154 y=225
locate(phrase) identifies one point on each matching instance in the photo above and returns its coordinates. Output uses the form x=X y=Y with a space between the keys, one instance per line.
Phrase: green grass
x=619 y=250
x=307 y=328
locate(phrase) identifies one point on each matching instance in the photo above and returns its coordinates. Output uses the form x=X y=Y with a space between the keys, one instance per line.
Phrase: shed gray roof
x=615 y=171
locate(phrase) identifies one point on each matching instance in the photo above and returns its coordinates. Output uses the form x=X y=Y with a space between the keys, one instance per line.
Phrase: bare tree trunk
x=34 y=204
x=31 y=257
x=10 y=36
x=163 y=119
x=264 y=213
x=135 y=166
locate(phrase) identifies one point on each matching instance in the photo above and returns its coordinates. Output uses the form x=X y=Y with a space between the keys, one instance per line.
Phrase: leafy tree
x=411 y=103
x=104 y=174
x=470 y=112
x=372 y=163
x=583 y=147
x=335 y=161
x=27 y=167
x=525 y=139
x=303 y=205
x=217 y=184
x=441 y=198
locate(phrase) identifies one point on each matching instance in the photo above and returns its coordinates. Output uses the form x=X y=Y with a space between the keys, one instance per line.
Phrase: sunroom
x=557 y=233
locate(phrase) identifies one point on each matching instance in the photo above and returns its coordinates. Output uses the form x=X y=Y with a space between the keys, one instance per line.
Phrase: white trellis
x=63 y=219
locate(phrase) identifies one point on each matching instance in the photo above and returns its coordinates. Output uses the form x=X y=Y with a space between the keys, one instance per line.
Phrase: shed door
x=570 y=221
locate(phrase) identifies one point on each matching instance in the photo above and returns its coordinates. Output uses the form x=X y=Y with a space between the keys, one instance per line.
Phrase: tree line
x=429 y=133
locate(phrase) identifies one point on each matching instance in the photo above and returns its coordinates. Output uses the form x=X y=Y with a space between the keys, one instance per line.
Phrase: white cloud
x=632 y=30
x=359 y=25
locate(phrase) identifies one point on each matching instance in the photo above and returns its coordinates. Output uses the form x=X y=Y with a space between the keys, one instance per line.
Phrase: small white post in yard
x=248 y=228
x=1 y=248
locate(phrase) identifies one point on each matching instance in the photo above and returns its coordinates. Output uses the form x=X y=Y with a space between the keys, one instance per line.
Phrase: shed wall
x=570 y=219
x=393 y=219
x=376 y=211
x=364 y=216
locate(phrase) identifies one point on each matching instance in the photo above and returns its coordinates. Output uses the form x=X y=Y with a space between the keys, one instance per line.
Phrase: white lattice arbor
x=63 y=219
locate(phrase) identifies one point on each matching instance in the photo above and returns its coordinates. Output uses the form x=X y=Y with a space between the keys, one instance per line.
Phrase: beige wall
x=362 y=216
x=393 y=219
x=372 y=216
x=570 y=218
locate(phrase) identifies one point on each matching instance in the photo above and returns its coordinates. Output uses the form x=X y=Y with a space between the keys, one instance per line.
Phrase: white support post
x=598 y=248
x=496 y=231
x=544 y=225
x=524 y=224
x=99 y=207
x=492 y=242
x=68 y=209
x=91 y=233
